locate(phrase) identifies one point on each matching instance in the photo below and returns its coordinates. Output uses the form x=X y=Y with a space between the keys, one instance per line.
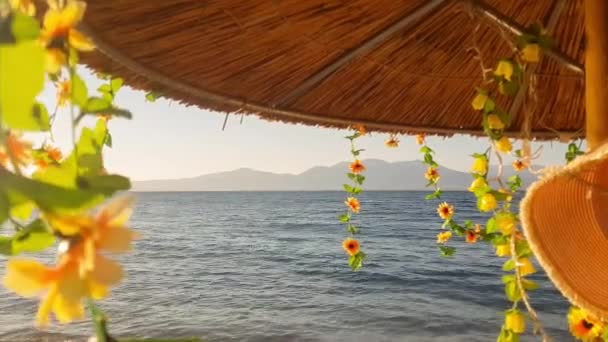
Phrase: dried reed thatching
x=401 y=66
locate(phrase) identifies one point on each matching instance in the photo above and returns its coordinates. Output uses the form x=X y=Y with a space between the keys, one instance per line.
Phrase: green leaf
x=491 y=226
x=21 y=80
x=34 y=238
x=108 y=141
x=105 y=88
x=426 y=149
x=360 y=179
x=96 y=105
x=523 y=249
x=344 y=218
x=507 y=278
x=24 y=27
x=152 y=96
x=529 y=285
x=347 y=188
x=104 y=184
x=116 y=84
x=356 y=261
x=509 y=265
x=447 y=251
x=4 y=207
x=352 y=229
x=512 y=291
x=489 y=106
x=79 y=91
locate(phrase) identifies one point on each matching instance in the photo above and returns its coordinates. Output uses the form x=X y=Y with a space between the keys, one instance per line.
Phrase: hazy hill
x=381 y=175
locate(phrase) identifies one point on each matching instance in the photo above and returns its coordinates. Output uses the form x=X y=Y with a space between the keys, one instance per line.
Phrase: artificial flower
x=15 y=147
x=519 y=165
x=506 y=223
x=392 y=142
x=479 y=101
x=480 y=165
x=24 y=6
x=353 y=204
x=420 y=138
x=445 y=210
x=525 y=267
x=477 y=228
x=58 y=27
x=487 y=202
x=503 y=250
x=504 y=69
x=504 y=145
x=360 y=129
x=54 y=153
x=356 y=166
x=432 y=174
x=470 y=237
x=531 y=53
x=494 y=122
x=351 y=246
x=63 y=93
x=584 y=326
x=478 y=183
x=515 y=321
x=444 y=237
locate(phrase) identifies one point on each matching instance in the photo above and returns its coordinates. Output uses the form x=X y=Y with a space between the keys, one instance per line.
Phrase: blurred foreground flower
x=583 y=326
x=81 y=271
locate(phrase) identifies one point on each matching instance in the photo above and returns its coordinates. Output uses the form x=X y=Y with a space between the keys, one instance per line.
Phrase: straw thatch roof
x=391 y=65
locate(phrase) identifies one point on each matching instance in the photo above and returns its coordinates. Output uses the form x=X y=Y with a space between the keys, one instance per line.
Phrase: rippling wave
x=255 y=266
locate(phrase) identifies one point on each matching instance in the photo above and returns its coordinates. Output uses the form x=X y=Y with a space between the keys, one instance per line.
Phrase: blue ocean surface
x=268 y=266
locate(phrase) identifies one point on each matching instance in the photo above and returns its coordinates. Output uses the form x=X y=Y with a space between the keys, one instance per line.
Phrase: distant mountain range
x=381 y=175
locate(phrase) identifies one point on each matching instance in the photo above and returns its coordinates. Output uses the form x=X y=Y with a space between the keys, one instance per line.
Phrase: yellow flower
x=531 y=53
x=471 y=237
x=504 y=145
x=584 y=326
x=494 y=122
x=506 y=223
x=478 y=183
x=64 y=286
x=504 y=69
x=420 y=139
x=445 y=210
x=480 y=165
x=353 y=204
x=503 y=250
x=351 y=246
x=432 y=174
x=519 y=165
x=392 y=142
x=20 y=150
x=58 y=27
x=444 y=237
x=25 y=6
x=63 y=93
x=515 y=321
x=525 y=267
x=487 y=202
x=356 y=166
x=479 y=101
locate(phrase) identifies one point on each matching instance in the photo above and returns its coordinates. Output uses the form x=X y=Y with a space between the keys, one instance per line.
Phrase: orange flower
x=445 y=210
x=432 y=174
x=420 y=138
x=360 y=129
x=356 y=166
x=519 y=165
x=351 y=246
x=41 y=163
x=353 y=204
x=392 y=142
x=19 y=150
x=470 y=237
x=584 y=326
x=54 y=153
x=477 y=228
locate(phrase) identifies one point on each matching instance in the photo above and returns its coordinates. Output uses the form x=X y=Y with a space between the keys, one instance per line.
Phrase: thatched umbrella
x=397 y=66
x=403 y=66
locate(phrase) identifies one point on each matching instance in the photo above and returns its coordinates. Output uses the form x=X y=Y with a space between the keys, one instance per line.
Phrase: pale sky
x=167 y=140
